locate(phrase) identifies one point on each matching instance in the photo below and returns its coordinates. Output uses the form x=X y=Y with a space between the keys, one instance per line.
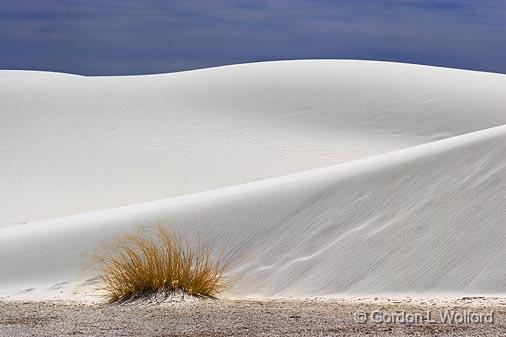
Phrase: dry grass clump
x=139 y=266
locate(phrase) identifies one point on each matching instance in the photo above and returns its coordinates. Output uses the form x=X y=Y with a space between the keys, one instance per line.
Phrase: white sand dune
x=401 y=187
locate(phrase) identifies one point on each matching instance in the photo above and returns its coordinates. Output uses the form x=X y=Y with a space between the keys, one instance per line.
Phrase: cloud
x=133 y=37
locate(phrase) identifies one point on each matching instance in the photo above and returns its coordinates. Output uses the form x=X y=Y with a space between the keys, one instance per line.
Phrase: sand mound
x=413 y=202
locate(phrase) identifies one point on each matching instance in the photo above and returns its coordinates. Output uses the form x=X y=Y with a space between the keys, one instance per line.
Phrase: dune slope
x=416 y=207
x=72 y=144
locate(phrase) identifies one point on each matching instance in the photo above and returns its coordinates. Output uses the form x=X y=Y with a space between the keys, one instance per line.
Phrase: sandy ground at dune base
x=247 y=317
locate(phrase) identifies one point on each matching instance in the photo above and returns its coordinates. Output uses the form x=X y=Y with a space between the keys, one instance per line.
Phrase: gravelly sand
x=243 y=318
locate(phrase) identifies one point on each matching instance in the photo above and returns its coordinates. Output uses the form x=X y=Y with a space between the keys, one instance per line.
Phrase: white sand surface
x=326 y=177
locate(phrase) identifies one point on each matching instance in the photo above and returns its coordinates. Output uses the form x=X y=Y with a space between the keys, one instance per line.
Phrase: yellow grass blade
x=135 y=266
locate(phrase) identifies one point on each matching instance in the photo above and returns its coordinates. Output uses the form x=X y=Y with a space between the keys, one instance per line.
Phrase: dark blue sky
x=104 y=37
